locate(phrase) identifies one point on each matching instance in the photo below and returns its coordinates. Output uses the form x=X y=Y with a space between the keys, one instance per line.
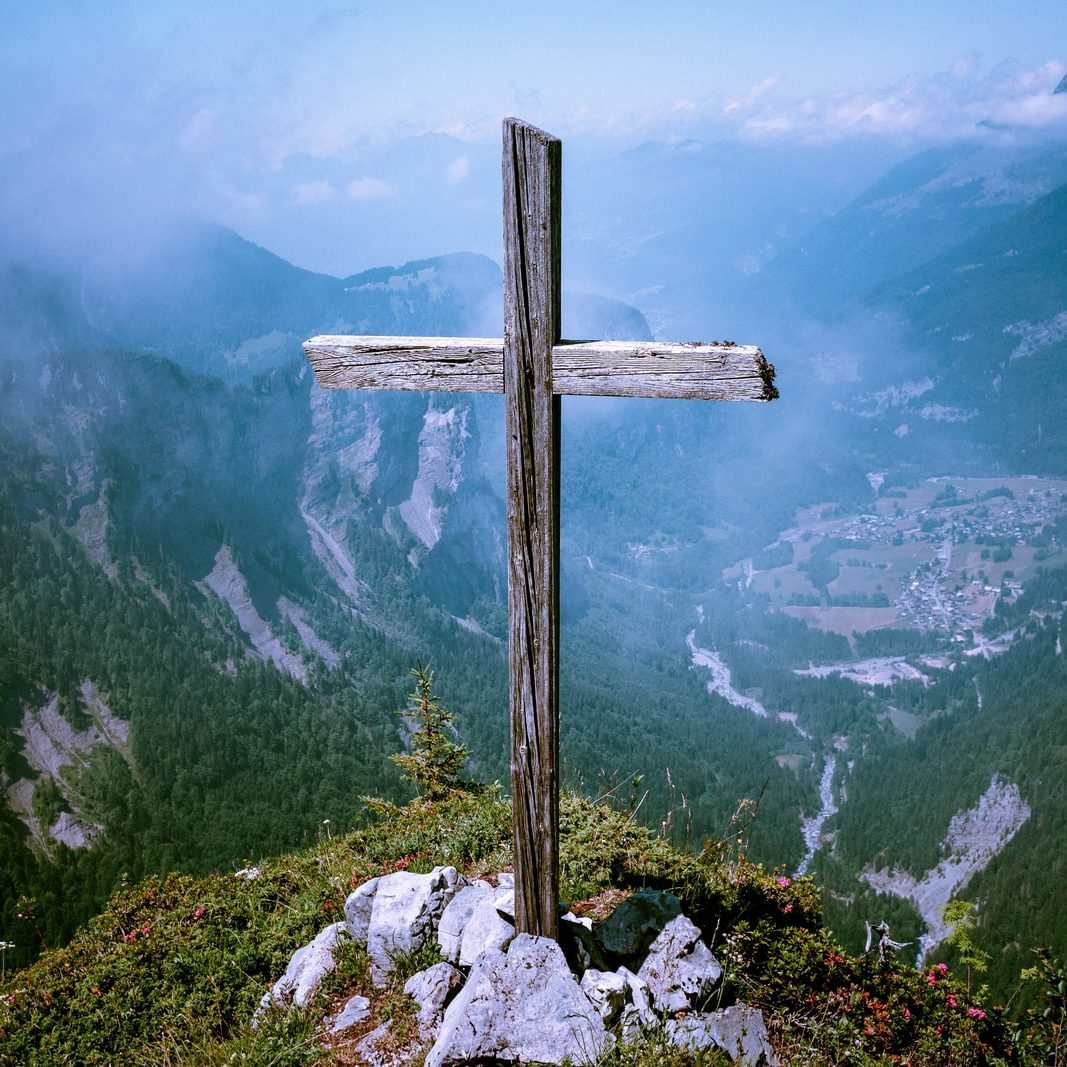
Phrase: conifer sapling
x=434 y=761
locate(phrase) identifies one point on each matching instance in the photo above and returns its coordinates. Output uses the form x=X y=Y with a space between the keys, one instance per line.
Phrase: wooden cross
x=533 y=367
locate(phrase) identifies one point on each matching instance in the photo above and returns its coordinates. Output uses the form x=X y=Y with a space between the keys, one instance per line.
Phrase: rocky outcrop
x=441 y=448
x=679 y=970
x=306 y=970
x=397 y=914
x=58 y=752
x=229 y=585
x=310 y=639
x=522 y=999
x=73 y=832
x=740 y=1031
x=974 y=837
x=521 y=1007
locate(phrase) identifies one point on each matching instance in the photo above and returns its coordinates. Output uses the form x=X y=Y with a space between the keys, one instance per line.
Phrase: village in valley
x=935 y=558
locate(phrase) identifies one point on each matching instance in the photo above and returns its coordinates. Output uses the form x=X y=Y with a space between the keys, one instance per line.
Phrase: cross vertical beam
x=532 y=172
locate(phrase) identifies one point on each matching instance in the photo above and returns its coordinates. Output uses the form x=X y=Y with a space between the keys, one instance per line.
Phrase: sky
x=344 y=134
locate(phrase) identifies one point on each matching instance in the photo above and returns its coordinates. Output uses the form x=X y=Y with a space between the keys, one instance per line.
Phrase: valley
x=795 y=606
x=936 y=558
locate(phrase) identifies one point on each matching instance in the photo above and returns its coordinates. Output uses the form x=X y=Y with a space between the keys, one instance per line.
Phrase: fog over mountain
x=772 y=601
x=847 y=604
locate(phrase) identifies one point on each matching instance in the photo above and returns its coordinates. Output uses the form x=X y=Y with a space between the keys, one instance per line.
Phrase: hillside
x=174 y=968
x=774 y=604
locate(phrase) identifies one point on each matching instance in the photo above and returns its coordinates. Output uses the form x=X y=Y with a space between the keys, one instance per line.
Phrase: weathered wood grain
x=532 y=195
x=693 y=371
x=443 y=364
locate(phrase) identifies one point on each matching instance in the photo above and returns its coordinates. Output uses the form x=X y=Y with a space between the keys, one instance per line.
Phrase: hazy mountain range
x=218 y=575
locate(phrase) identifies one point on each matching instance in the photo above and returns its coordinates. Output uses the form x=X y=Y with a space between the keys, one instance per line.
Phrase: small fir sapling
x=434 y=761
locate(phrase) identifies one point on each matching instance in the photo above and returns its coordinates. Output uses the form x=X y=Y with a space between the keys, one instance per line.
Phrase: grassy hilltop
x=173 y=969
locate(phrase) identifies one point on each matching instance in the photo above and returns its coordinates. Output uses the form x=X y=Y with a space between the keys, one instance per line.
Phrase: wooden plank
x=445 y=364
x=696 y=371
x=532 y=201
x=717 y=370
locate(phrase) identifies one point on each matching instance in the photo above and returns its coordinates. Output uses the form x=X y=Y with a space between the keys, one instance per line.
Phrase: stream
x=812 y=828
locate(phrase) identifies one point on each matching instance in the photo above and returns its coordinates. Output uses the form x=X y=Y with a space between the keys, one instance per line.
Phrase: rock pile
x=508 y=998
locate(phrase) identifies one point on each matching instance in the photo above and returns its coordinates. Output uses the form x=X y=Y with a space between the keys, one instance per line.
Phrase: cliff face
x=49 y=798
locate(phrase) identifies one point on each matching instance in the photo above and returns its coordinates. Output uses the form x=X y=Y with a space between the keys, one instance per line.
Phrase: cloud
x=314 y=192
x=458 y=169
x=937 y=106
x=369 y=189
x=750 y=98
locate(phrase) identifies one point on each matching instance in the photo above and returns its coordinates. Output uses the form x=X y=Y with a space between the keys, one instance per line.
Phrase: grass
x=174 y=968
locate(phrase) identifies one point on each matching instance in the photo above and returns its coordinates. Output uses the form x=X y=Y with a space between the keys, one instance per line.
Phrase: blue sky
x=275 y=118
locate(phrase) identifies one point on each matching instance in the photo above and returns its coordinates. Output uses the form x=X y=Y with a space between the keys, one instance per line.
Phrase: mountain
x=772 y=607
x=990 y=317
x=174 y=968
x=197 y=562
x=919 y=210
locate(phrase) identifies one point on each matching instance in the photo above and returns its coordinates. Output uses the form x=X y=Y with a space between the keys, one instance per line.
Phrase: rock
x=355 y=1010
x=629 y=930
x=679 y=969
x=456 y=915
x=739 y=1030
x=639 y=997
x=631 y=1025
x=398 y=913
x=570 y=917
x=521 y=1007
x=432 y=990
x=504 y=902
x=485 y=929
x=580 y=945
x=307 y=967
x=607 y=992
x=358 y=909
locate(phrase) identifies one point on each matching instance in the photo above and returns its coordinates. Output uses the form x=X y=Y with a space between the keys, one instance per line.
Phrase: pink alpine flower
x=784 y=882
x=976 y=1013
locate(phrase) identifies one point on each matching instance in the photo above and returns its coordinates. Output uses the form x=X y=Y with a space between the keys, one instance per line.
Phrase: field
x=936 y=556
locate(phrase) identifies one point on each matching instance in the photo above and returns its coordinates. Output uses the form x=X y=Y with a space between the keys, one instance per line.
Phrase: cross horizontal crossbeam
x=716 y=370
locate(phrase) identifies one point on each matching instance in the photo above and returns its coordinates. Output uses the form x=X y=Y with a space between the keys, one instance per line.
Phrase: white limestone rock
x=398 y=913
x=486 y=929
x=606 y=991
x=521 y=1007
x=358 y=908
x=680 y=970
x=740 y=1031
x=456 y=915
x=307 y=968
x=432 y=990
x=354 y=1011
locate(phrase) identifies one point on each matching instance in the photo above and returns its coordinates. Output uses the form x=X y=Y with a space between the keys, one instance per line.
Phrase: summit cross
x=533 y=368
